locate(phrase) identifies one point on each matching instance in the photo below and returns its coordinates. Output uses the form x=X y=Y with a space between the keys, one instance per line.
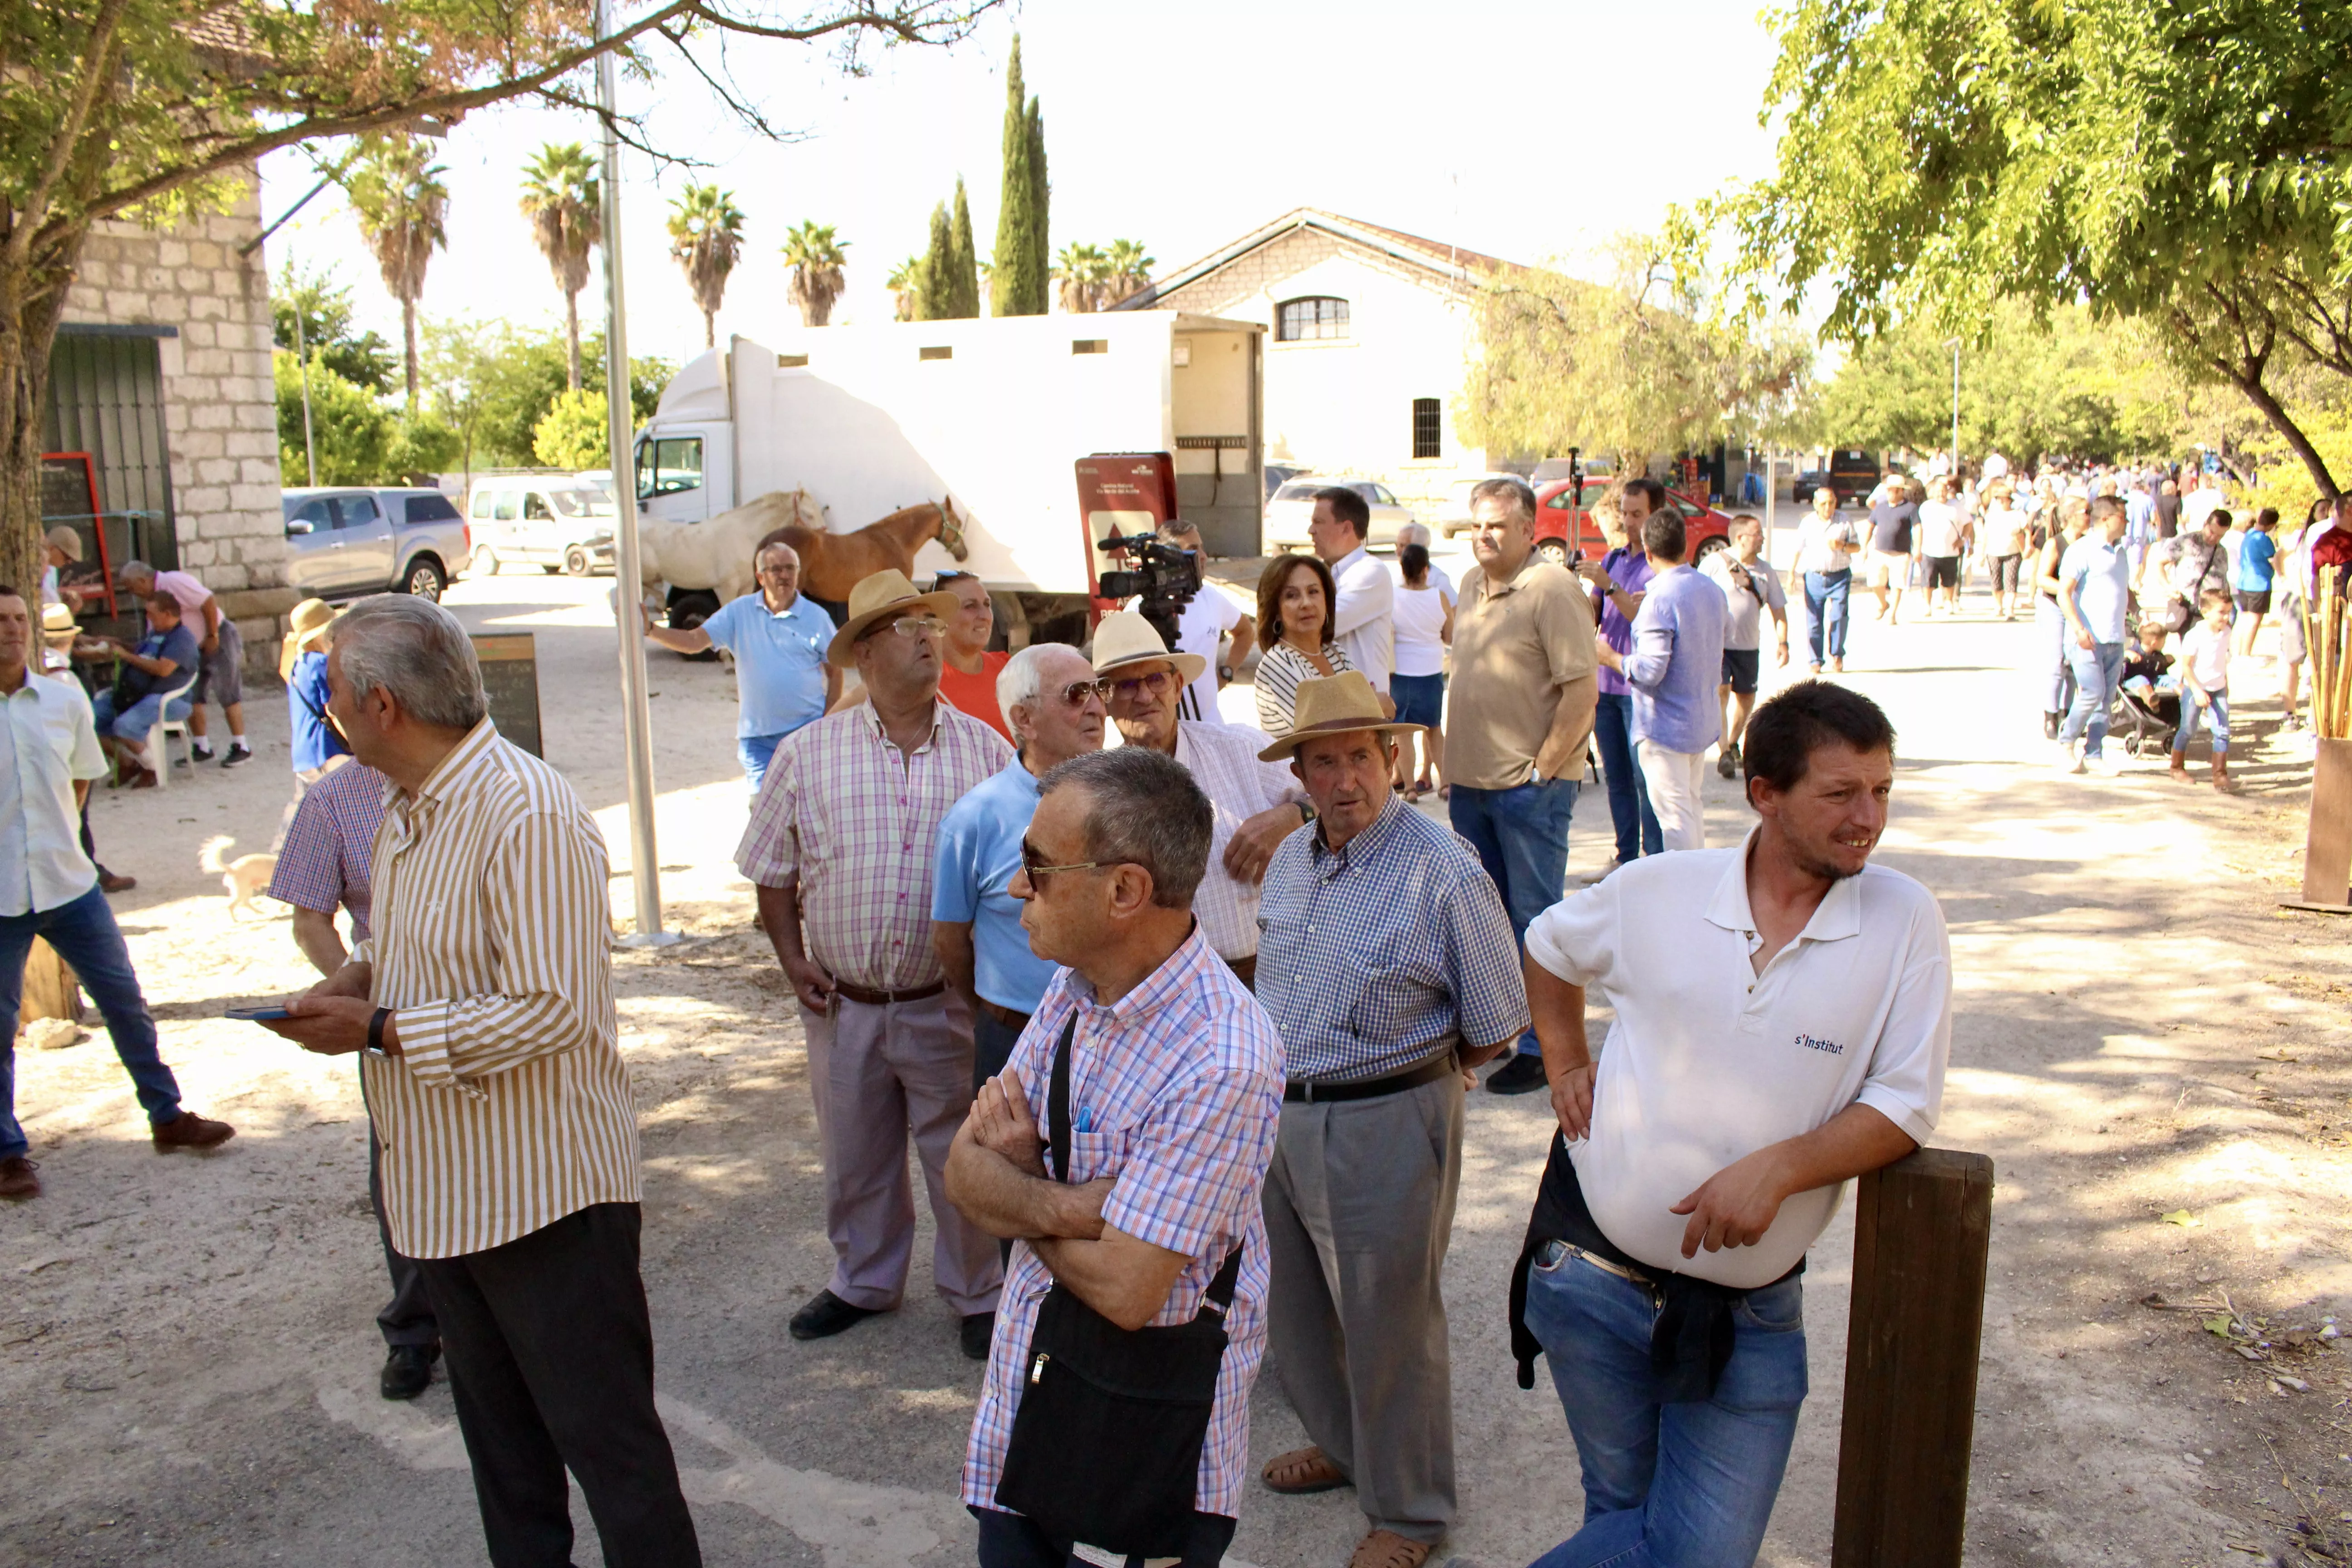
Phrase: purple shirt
x=331 y=847
x=1630 y=569
x=1677 y=661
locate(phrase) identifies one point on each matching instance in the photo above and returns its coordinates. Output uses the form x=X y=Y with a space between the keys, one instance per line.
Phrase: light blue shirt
x=2101 y=574
x=980 y=849
x=46 y=742
x=1677 y=662
x=779 y=661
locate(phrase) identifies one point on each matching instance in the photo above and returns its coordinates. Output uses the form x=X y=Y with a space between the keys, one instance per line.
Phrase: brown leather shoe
x=143 y=778
x=1387 y=1548
x=189 y=1130
x=1300 y=1472
x=108 y=882
x=16 y=1178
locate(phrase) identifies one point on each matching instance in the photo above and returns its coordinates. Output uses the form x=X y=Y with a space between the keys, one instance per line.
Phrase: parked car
x=1455 y=516
x=343 y=543
x=553 y=521
x=1280 y=474
x=1851 y=473
x=1565 y=530
x=1288 y=514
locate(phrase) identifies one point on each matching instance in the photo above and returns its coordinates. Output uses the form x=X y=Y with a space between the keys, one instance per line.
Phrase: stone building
x=1369 y=331
x=162 y=375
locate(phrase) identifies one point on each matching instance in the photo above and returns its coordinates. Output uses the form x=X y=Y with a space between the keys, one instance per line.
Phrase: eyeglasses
x=909 y=626
x=1158 y=682
x=1075 y=695
x=1037 y=873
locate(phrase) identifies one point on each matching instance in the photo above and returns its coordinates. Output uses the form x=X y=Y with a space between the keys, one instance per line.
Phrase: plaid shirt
x=855 y=822
x=1175 y=1091
x=1378 y=954
x=330 y=844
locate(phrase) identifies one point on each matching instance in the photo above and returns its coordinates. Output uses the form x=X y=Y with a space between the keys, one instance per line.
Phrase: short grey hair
x=1515 y=491
x=417 y=650
x=1143 y=809
x=132 y=569
x=1023 y=678
x=1412 y=533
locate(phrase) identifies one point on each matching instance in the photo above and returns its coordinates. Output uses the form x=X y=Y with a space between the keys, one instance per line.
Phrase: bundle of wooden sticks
x=2330 y=658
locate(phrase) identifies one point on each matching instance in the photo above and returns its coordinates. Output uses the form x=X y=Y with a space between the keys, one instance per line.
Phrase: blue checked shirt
x=1375 y=957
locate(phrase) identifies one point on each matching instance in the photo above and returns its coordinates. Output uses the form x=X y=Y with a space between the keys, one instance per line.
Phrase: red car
x=1565 y=530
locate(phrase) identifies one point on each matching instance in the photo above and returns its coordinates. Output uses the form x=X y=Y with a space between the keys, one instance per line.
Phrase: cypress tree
x=1016 y=288
x=1040 y=192
x=935 y=287
x=963 y=299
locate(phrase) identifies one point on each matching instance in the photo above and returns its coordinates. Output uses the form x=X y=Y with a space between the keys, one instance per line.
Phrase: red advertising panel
x=1121 y=494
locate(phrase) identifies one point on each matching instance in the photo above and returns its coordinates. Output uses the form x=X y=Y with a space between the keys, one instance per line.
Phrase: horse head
x=951 y=530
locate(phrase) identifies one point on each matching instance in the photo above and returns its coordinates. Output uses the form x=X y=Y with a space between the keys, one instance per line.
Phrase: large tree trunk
x=710 y=328
x=571 y=336
x=32 y=302
x=408 y=339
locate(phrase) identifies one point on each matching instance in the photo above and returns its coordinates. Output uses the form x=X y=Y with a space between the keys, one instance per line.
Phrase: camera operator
x=1208 y=619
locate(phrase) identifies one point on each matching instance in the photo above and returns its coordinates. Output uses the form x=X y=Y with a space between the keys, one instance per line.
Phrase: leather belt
x=886 y=998
x=1430 y=1071
x=1004 y=1016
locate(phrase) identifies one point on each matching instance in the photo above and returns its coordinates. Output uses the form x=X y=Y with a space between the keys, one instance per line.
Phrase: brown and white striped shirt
x=509 y=1107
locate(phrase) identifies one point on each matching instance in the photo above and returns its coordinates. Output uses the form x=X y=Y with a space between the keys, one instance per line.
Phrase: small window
x=792 y=361
x=535 y=508
x=935 y=353
x=508 y=506
x=1427 y=428
x=1305 y=320
x=676 y=467
x=315 y=511
x=1092 y=346
x=356 y=511
x=431 y=508
x=482 y=499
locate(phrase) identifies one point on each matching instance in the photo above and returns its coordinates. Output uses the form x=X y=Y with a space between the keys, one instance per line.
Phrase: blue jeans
x=2213 y=713
x=2095 y=671
x=2051 y=633
x=1686 y=1485
x=85 y=935
x=1826 y=594
x=133 y=723
x=756 y=751
x=1521 y=838
x=1638 y=833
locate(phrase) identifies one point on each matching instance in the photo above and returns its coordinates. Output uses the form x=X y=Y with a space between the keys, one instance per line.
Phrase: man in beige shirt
x=1523 y=695
x=481 y=1005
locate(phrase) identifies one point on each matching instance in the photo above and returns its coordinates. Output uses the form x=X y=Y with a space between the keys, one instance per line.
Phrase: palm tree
x=397 y=194
x=905 y=283
x=1129 y=270
x=1081 y=269
x=815 y=258
x=706 y=232
x=561 y=198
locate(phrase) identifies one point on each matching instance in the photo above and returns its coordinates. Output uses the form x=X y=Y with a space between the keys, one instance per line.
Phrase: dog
x=241 y=877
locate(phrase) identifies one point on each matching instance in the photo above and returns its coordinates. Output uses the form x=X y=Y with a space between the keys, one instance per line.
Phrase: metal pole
x=1955 y=346
x=1771 y=496
x=302 y=364
x=637 y=719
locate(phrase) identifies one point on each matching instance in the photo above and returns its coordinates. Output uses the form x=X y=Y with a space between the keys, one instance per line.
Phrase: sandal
x=1303 y=1470
x=1387 y=1548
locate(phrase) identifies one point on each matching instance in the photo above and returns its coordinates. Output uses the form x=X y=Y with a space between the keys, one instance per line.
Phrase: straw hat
x=305 y=627
x=886 y=593
x=1337 y=705
x=59 y=618
x=1124 y=638
x=65 y=540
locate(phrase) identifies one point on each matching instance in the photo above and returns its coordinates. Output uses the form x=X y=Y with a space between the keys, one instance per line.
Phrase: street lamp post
x=637 y=718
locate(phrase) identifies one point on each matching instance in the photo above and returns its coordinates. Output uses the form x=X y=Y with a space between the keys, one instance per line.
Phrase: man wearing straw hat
x=302 y=665
x=1256 y=806
x=841 y=843
x=1390 y=968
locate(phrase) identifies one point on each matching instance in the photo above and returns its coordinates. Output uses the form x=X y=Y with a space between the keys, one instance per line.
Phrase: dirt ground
x=2153 y=1053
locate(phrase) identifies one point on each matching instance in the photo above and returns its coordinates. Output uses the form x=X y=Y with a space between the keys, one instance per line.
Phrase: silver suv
x=343 y=543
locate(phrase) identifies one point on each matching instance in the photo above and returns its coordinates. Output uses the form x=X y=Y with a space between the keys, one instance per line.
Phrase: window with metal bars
x=1315 y=317
x=1427 y=428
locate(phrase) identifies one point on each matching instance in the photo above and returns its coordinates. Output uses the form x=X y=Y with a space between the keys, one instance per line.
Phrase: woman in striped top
x=1294 y=600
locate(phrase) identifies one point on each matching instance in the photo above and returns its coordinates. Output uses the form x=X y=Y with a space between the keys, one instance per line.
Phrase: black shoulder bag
x=1107 y=1442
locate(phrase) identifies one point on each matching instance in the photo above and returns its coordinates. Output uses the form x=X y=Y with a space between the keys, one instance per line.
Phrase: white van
x=553 y=521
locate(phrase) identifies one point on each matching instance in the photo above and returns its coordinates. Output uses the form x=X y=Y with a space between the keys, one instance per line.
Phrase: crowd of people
x=1178 y=1015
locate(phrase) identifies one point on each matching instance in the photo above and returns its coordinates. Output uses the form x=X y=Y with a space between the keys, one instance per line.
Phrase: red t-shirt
x=976 y=694
x=2333 y=548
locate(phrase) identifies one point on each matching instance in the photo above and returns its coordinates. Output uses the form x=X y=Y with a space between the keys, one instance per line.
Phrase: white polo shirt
x=1708 y=1061
x=47 y=741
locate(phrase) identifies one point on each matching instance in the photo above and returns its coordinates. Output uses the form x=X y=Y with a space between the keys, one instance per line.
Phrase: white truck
x=991 y=413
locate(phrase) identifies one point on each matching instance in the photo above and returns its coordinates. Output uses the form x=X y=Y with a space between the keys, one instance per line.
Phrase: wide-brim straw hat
x=67 y=541
x=1124 y=638
x=885 y=594
x=304 y=625
x=1337 y=705
x=59 y=618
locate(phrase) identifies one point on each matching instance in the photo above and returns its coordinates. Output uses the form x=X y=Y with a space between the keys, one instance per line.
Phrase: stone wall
x=220 y=406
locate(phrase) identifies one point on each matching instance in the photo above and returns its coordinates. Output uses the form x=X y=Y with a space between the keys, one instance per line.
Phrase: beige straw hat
x=1336 y=705
x=1124 y=638
x=887 y=592
x=306 y=625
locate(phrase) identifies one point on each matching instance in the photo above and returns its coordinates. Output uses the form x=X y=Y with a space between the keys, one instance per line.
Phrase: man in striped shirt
x=841 y=841
x=482 y=1004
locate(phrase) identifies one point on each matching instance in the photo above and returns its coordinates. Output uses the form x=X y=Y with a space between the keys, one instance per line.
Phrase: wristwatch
x=1305 y=811
x=1224 y=672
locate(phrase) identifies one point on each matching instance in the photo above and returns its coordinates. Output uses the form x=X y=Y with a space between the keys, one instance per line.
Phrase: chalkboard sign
x=509 y=663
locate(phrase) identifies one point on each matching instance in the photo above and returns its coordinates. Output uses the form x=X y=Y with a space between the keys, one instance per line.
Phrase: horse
x=834 y=563
x=717 y=555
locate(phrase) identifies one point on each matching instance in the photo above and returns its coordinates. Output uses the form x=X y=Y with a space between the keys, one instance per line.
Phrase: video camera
x=1163 y=579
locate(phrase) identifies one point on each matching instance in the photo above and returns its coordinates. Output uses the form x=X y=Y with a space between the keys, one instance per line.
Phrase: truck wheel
x=576 y=562
x=424 y=579
x=484 y=563
x=1553 y=550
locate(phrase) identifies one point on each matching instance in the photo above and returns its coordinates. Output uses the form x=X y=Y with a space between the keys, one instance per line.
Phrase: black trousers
x=407 y=1317
x=551 y=1359
x=1014 y=1540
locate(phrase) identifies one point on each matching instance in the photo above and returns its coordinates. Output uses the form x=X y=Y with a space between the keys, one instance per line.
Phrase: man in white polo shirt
x=1783 y=1015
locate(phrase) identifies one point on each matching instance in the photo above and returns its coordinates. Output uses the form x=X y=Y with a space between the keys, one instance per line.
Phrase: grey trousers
x=1359 y=1212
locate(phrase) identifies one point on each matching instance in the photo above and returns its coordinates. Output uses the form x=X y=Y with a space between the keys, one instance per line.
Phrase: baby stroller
x=2146 y=720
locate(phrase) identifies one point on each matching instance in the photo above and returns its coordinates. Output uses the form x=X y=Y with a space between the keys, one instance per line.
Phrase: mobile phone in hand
x=256 y=1014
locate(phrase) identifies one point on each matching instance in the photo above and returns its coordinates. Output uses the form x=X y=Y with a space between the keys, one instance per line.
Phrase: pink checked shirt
x=1176 y=1091
x=856 y=820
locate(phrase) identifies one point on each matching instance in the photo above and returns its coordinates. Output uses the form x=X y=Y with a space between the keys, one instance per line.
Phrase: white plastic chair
x=159 y=737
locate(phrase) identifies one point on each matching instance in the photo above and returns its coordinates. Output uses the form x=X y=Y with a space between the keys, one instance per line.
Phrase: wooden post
x=2327 y=851
x=51 y=990
x=1920 y=1233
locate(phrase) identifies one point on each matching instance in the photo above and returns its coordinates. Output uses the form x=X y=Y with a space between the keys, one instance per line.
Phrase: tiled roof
x=1451 y=262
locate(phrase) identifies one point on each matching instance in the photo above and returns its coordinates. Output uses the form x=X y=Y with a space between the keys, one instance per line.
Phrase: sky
x=1529 y=132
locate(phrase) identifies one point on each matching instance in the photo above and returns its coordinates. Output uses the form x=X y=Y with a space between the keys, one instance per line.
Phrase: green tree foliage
x=1081 y=272
x=1041 y=192
x=493 y=383
x=363 y=359
x=1017 y=283
x=2183 y=161
x=964 y=265
x=935 y=278
x=906 y=285
x=706 y=235
x=359 y=438
x=564 y=199
x=1128 y=269
x=397 y=195
x=574 y=433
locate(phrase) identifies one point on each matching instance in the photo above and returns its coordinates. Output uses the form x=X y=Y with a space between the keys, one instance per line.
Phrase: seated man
x=126 y=712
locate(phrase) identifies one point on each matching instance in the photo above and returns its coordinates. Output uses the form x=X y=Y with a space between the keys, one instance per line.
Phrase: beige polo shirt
x=1514 y=647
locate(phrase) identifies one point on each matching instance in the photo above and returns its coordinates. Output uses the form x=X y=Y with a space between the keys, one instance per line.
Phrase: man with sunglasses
x=1048 y=695
x=1256 y=807
x=841 y=843
x=782 y=680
